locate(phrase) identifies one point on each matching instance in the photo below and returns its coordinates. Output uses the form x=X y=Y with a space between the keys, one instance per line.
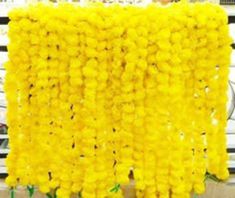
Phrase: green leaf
x=49 y=195
x=112 y=189
x=115 y=188
x=211 y=177
x=30 y=191
x=79 y=195
x=206 y=177
x=214 y=178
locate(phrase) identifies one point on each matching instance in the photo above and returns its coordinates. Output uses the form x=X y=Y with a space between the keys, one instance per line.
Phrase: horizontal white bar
x=3 y=136
x=4 y=151
x=232 y=30
x=231 y=100
x=232 y=156
x=3 y=58
x=231 y=180
x=231 y=140
x=233 y=116
x=232 y=74
x=233 y=58
x=231 y=127
x=3 y=40
x=3 y=170
x=2 y=162
x=230 y=9
x=7 y=6
x=231 y=164
x=3 y=101
x=2 y=115
x=2 y=79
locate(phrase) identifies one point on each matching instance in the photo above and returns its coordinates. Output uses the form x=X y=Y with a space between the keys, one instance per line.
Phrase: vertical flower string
x=139 y=96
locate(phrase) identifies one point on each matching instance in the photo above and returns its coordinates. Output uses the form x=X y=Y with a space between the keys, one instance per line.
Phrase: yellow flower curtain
x=97 y=92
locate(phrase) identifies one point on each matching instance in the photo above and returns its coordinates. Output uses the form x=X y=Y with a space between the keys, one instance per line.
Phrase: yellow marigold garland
x=97 y=92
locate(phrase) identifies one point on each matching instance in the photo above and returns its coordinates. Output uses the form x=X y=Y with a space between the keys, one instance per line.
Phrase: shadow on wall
x=213 y=190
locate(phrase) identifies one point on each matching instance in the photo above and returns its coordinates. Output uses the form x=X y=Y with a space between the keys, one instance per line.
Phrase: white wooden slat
x=3 y=59
x=232 y=74
x=2 y=79
x=233 y=58
x=231 y=140
x=231 y=100
x=3 y=101
x=3 y=40
x=231 y=126
x=2 y=115
x=231 y=180
x=3 y=35
x=232 y=157
x=4 y=151
x=5 y=7
x=3 y=170
x=2 y=162
x=230 y=9
x=233 y=116
x=232 y=85
x=3 y=136
x=3 y=10
x=231 y=164
x=232 y=31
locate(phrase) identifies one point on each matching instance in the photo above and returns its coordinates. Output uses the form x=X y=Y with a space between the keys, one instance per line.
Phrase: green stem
x=12 y=193
x=195 y=196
